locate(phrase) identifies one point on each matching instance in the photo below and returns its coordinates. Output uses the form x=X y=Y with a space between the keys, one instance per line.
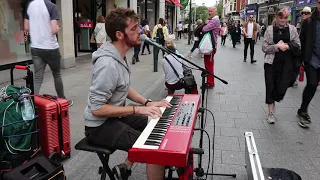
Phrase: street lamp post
x=189 y=37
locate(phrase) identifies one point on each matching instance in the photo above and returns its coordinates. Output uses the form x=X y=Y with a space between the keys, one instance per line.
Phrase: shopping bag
x=206 y=46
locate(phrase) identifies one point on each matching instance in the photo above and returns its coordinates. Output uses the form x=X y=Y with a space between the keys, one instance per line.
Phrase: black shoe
x=138 y=60
x=121 y=172
x=245 y=60
x=133 y=60
x=304 y=115
x=253 y=61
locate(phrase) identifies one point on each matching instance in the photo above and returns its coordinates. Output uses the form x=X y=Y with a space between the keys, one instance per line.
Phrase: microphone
x=145 y=38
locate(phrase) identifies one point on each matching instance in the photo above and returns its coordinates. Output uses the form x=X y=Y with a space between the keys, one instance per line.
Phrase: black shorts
x=117 y=133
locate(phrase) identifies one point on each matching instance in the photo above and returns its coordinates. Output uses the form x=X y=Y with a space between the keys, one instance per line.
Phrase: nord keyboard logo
x=164 y=143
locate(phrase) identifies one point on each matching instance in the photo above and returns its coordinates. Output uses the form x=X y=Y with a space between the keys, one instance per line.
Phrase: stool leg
x=105 y=167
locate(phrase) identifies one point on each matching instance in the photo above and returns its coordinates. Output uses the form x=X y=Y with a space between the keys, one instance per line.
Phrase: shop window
x=14 y=45
x=147 y=9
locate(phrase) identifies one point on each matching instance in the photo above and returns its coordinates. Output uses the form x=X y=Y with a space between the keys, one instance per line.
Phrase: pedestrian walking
x=281 y=46
x=250 y=30
x=310 y=41
x=41 y=22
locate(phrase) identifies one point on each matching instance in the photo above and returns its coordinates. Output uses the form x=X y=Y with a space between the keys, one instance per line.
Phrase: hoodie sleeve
x=104 y=82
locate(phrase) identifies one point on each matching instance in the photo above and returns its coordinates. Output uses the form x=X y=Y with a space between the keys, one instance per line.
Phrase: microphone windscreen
x=143 y=37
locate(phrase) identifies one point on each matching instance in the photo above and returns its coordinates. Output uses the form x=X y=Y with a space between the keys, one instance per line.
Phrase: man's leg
x=252 y=43
x=138 y=123
x=209 y=65
x=39 y=68
x=155 y=172
x=246 y=44
x=310 y=89
x=53 y=59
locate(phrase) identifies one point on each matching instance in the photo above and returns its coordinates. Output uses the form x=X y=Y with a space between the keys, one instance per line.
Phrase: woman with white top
x=146 y=29
x=100 y=31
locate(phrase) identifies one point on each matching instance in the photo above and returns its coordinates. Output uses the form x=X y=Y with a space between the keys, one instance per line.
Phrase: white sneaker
x=271 y=119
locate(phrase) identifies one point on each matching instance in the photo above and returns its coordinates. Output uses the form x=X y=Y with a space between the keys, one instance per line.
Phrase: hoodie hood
x=107 y=49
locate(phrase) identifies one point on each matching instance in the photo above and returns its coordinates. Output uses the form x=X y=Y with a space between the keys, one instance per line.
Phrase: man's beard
x=130 y=43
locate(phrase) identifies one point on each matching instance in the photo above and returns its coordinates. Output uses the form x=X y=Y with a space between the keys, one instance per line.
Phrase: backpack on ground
x=16 y=133
x=206 y=46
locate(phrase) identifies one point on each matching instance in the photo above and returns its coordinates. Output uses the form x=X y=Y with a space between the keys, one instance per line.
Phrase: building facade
x=231 y=10
x=77 y=20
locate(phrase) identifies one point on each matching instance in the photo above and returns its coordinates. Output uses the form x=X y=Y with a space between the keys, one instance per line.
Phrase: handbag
x=187 y=81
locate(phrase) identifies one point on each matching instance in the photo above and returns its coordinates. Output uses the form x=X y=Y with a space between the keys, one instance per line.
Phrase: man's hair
x=116 y=20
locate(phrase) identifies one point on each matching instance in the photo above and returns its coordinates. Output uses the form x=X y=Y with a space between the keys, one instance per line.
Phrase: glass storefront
x=85 y=15
x=14 y=46
x=170 y=13
x=147 y=9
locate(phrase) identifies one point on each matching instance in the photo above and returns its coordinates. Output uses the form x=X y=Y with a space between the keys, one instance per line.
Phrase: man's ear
x=119 y=35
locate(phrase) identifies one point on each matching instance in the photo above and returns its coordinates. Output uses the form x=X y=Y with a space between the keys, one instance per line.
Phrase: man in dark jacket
x=310 y=46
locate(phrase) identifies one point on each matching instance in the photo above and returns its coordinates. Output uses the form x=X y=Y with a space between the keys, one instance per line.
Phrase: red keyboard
x=166 y=140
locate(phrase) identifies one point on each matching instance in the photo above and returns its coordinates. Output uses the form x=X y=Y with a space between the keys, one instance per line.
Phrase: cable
x=199 y=129
x=213 y=138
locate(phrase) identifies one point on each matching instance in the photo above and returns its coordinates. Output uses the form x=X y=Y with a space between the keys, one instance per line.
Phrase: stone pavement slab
x=237 y=107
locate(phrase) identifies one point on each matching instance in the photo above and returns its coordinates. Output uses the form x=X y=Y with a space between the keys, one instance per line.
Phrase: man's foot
x=70 y=103
x=149 y=52
x=303 y=116
x=121 y=172
x=253 y=61
x=245 y=60
x=190 y=55
x=143 y=54
x=138 y=60
x=271 y=119
x=133 y=60
x=295 y=84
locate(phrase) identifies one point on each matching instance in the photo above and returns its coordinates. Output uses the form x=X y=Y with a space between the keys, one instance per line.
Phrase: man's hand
x=151 y=111
x=162 y=103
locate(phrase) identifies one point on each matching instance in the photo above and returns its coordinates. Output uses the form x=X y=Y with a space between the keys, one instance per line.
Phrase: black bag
x=188 y=82
x=160 y=34
x=38 y=168
x=280 y=174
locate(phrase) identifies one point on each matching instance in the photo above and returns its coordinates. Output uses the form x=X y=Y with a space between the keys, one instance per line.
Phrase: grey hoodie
x=109 y=84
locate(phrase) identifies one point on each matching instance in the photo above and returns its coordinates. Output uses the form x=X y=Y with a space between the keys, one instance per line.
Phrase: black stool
x=103 y=154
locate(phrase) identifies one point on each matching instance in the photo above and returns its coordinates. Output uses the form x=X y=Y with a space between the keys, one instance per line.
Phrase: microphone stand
x=204 y=73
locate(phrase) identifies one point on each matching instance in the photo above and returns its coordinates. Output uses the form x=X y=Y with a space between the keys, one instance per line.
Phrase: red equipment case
x=54 y=125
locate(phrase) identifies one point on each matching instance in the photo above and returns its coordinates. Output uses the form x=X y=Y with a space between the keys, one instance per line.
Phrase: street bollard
x=155 y=58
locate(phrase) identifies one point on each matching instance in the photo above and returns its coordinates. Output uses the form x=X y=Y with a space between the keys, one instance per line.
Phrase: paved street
x=237 y=107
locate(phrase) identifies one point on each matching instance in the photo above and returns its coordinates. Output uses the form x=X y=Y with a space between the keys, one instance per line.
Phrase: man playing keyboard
x=108 y=122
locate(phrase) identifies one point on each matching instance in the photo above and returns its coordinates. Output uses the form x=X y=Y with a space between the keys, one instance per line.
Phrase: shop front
x=252 y=9
x=170 y=15
x=147 y=9
x=263 y=15
x=85 y=14
x=14 y=45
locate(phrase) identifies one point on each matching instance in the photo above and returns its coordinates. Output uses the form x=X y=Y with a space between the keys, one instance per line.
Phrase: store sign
x=251 y=11
x=88 y=25
x=305 y=2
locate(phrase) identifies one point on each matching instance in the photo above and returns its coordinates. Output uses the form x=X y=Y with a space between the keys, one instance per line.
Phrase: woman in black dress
x=235 y=33
x=282 y=48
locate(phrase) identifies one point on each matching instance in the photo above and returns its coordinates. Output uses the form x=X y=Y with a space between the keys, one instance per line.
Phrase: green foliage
x=219 y=9
x=201 y=13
